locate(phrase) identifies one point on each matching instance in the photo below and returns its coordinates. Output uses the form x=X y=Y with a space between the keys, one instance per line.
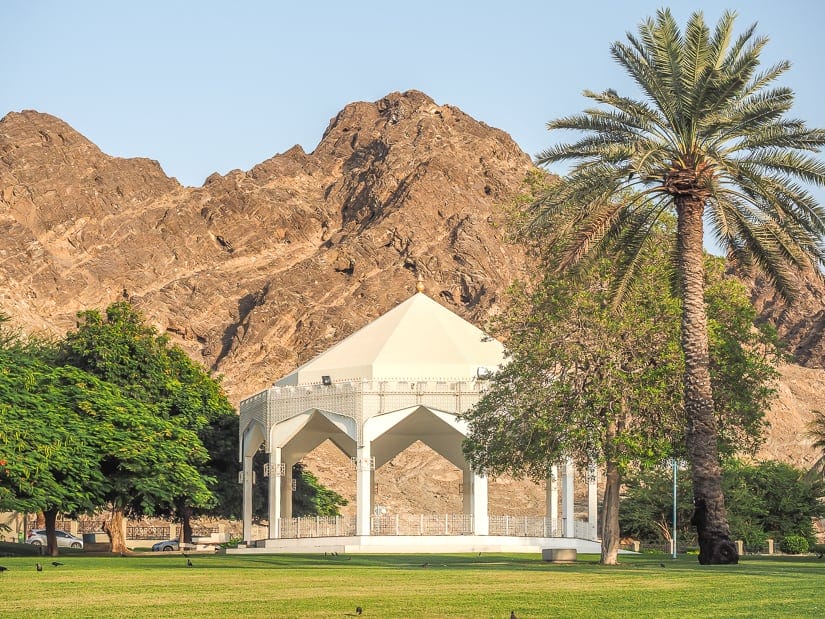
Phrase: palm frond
x=787 y=162
x=640 y=69
x=630 y=239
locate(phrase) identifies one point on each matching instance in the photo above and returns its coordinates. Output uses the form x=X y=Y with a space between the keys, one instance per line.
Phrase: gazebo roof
x=417 y=340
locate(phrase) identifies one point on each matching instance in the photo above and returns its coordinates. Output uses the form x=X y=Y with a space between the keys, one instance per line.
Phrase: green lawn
x=402 y=586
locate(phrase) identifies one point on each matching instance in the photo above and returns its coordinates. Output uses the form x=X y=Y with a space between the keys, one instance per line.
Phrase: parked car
x=167 y=546
x=37 y=537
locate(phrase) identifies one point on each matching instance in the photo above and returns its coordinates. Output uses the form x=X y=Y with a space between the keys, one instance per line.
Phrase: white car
x=37 y=537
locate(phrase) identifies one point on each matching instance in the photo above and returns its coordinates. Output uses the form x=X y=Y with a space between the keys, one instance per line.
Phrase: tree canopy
x=121 y=348
x=108 y=417
x=599 y=385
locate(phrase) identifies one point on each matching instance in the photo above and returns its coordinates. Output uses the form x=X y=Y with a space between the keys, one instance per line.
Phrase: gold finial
x=419 y=285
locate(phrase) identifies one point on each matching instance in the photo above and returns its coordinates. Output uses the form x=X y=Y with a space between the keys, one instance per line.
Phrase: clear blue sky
x=206 y=86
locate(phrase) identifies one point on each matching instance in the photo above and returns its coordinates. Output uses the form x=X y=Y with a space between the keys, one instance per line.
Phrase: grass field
x=408 y=586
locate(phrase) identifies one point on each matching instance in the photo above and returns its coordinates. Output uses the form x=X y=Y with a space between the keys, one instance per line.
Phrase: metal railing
x=525 y=526
x=146 y=532
x=317 y=526
x=422 y=524
x=429 y=524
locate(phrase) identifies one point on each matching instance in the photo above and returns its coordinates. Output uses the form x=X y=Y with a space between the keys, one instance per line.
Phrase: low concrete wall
x=435 y=544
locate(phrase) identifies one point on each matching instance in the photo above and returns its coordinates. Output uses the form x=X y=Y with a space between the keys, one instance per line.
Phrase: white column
x=552 y=499
x=466 y=491
x=286 y=491
x=481 y=519
x=247 y=498
x=274 y=493
x=363 y=489
x=592 y=500
x=567 y=501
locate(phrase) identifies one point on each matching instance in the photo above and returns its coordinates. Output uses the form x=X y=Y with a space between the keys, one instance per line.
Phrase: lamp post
x=675 y=465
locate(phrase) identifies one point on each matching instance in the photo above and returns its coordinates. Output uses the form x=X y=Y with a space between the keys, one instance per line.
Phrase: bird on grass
x=358 y=610
x=513 y=614
x=189 y=563
x=3 y=568
x=38 y=567
x=425 y=564
x=56 y=563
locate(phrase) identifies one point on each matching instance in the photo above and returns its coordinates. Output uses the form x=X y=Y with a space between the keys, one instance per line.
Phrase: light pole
x=675 y=464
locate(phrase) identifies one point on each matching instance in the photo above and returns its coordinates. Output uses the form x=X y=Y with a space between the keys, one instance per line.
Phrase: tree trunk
x=50 y=520
x=710 y=517
x=185 y=515
x=610 y=514
x=114 y=529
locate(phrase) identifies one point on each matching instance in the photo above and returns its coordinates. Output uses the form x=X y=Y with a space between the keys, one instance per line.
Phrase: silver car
x=167 y=546
x=37 y=537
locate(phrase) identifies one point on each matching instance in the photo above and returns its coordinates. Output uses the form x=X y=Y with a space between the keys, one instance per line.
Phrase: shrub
x=794 y=545
x=753 y=538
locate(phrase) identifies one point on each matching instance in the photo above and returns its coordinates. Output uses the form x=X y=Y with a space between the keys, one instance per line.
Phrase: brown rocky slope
x=257 y=271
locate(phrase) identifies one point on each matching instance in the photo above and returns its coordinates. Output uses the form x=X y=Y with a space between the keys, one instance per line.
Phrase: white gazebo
x=404 y=377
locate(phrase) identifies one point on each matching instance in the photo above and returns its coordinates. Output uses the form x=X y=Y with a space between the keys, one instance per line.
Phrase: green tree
x=711 y=143
x=771 y=499
x=220 y=438
x=121 y=348
x=597 y=385
x=72 y=443
x=647 y=506
x=583 y=382
x=311 y=497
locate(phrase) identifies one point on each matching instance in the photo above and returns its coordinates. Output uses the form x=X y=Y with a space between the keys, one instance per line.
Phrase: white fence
x=422 y=524
x=430 y=524
x=525 y=526
x=317 y=526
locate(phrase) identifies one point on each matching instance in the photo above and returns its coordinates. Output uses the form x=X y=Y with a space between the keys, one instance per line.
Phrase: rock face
x=801 y=325
x=256 y=272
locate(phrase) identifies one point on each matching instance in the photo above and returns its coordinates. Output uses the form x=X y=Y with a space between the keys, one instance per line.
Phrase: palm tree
x=709 y=141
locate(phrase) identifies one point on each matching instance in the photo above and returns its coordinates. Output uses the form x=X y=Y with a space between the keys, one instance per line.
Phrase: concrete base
x=415 y=544
x=558 y=555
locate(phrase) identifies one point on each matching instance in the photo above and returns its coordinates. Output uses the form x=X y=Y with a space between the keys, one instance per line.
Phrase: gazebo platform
x=414 y=544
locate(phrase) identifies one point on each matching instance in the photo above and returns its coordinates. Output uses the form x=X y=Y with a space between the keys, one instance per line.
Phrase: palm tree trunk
x=710 y=517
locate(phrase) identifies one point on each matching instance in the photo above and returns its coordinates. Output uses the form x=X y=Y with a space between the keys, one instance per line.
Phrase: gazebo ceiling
x=417 y=340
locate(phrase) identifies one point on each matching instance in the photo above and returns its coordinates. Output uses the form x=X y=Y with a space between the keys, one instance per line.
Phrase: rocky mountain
x=257 y=271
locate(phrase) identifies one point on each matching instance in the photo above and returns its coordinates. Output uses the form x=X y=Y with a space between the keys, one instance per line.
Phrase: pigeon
x=358 y=610
x=56 y=563
x=39 y=567
x=189 y=563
